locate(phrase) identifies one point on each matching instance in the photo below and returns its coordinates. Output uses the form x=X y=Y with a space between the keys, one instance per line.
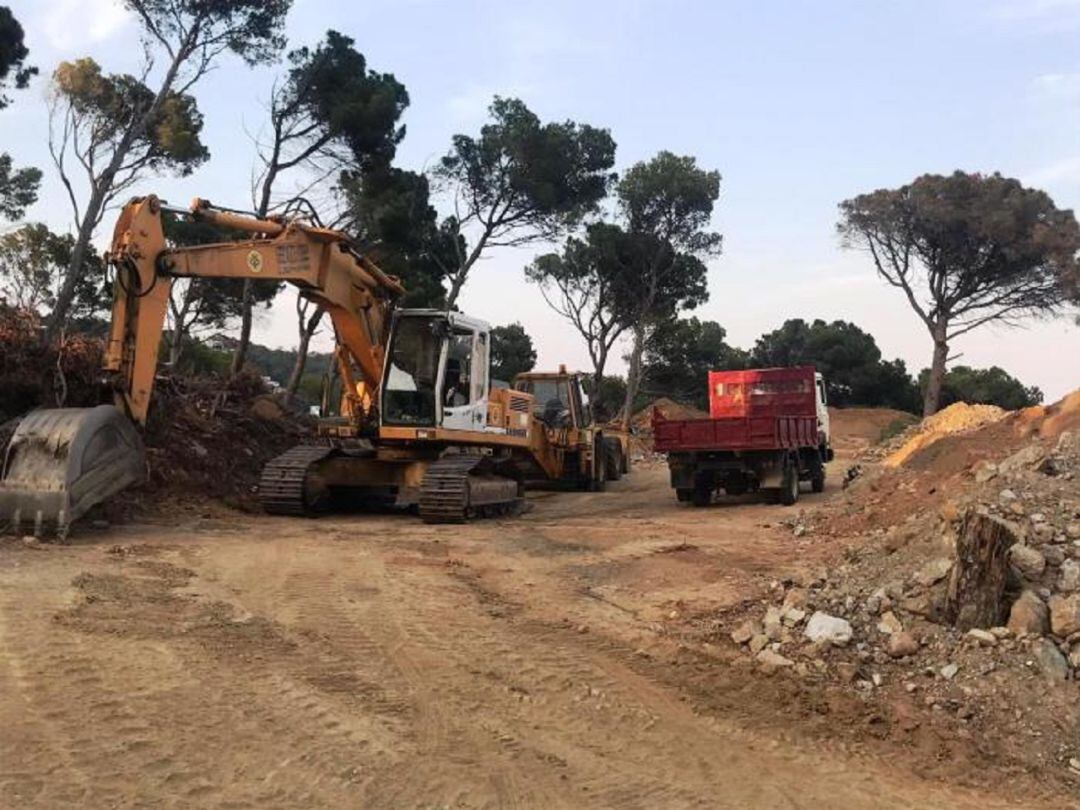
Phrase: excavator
x=418 y=422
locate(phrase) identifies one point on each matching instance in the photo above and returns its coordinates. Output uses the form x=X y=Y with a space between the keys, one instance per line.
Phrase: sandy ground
x=372 y=661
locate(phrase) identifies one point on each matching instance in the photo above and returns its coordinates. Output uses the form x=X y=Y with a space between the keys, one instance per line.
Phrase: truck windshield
x=412 y=372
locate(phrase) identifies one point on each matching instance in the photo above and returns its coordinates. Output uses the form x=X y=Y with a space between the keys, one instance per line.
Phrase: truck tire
x=684 y=495
x=701 y=495
x=789 y=485
x=817 y=477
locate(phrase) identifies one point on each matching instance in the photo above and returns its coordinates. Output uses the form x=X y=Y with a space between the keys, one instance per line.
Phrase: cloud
x=68 y=23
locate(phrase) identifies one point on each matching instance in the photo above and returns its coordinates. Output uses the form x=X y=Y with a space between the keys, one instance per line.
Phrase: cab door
x=465 y=371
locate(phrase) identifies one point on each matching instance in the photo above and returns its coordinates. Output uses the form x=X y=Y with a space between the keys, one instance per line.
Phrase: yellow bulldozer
x=418 y=422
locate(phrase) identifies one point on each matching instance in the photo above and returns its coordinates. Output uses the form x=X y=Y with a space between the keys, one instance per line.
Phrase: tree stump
x=978 y=579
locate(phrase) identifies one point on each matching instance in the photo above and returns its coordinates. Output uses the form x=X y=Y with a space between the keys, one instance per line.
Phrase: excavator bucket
x=61 y=462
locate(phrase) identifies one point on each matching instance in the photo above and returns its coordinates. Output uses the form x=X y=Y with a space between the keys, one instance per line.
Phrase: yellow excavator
x=419 y=423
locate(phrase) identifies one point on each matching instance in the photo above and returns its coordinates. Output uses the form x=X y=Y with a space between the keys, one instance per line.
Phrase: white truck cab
x=822 y=411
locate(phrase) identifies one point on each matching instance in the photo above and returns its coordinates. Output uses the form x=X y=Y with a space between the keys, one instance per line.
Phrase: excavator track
x=461 y=486
x=282 y=486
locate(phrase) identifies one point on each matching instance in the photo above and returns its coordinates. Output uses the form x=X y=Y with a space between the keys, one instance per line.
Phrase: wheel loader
x=418 y=422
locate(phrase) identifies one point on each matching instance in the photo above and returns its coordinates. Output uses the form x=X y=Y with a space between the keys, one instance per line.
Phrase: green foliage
x=512 y=352
x=13 y=53
x=390 y=211
x=986 y=386
x=32 y=262
x=251 y=29
x=671 y=199
x=895 y=428
x=848 y=357
x=521 y=180
x=966 y=250
x=679 y=356
x=608 y=403
x=18 y=188
x=101 y=109
x=332 y=89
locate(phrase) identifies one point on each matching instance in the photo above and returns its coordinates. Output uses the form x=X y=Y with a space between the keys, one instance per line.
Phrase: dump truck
x=767 y=431
x=590 y=453
x=417 y=424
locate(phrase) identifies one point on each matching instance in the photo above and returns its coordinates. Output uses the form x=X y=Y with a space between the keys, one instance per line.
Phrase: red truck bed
x=758 y=409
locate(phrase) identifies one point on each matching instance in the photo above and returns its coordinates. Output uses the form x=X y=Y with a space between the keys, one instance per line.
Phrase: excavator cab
x=436 y=373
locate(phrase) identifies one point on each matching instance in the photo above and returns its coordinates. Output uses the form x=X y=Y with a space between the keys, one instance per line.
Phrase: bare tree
x=308 y=316
x=187 y=37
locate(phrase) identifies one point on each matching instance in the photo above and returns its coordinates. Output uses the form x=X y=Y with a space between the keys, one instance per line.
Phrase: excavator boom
x=59 y=463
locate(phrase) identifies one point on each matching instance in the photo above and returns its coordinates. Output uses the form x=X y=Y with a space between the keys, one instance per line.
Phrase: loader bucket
x=61 y=462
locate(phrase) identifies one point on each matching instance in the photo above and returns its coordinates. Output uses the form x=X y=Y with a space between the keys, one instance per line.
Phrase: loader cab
x=559 y=400
x=436 y=372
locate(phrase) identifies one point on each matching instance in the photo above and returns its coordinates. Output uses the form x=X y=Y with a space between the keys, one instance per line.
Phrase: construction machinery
x=589 y=453
x=418 y=422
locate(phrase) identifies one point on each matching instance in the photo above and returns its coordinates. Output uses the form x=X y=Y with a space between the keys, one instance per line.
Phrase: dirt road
x=372 y=661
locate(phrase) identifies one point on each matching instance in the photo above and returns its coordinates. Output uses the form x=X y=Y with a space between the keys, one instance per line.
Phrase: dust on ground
x=578 y=655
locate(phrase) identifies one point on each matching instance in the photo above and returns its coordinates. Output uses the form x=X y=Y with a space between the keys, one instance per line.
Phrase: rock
x=948 y=672
x=1027 y=560
x=984 y=637
x=847 y=671
x=1001 y=632
x=267 y=409
x=1006 y=496
x=1028 y=456
x=794 y=598
x=746 y=631
x=1069 y=578
x=773 y=659
x=1037 y=517
x=1055 y=555
x=774 y=627
x=1072 y=531
x=934 y=571
x=1074 y=656
x=1065 y=615
x=823 y=627
x=902 y=644
x=1049 y=660
x=792 y=616
x=1029 y=615
x=921 y=605
x=889 y=624
x=759 y=643
x=986 y=472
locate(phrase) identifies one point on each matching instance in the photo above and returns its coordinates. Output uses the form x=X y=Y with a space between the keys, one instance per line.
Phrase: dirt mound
x=855 y=429
x=208 y=439
x=670 y=409
x=957 y=418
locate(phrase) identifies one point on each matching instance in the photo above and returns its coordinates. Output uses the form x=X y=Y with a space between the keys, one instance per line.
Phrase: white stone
x=823 y=627
x=1069 y=579
x=948 y=672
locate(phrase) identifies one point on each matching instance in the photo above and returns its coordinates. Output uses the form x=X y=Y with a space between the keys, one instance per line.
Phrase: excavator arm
x=59 y=463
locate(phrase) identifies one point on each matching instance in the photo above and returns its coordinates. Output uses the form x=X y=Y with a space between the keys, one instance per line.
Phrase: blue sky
x=799 y=105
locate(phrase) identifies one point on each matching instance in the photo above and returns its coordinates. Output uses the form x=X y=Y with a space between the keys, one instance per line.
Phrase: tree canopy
x=679 y=355
x=521 y=181
x=18 y=187
x=848 y=358
x=512 y=352
x=987 y=386
x=965 y=250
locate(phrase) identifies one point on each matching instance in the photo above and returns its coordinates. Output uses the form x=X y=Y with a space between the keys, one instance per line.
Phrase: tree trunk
x=247 y=303
x=979 y=575
x=307 y=331
x=633 y=373
x=101 y=188
x=932 y=397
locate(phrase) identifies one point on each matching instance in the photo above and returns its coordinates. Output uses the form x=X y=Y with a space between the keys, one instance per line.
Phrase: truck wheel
x=684 y=495
x=789 y=486
x=701 y=495
x=817 y=479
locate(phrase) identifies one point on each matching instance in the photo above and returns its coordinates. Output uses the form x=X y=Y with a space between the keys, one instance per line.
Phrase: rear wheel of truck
x=817 y=476
x=684 y=495
x=789 y=485
x=702 y=494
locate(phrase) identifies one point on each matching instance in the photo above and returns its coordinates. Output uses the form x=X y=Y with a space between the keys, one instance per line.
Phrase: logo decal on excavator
x=254 y=261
